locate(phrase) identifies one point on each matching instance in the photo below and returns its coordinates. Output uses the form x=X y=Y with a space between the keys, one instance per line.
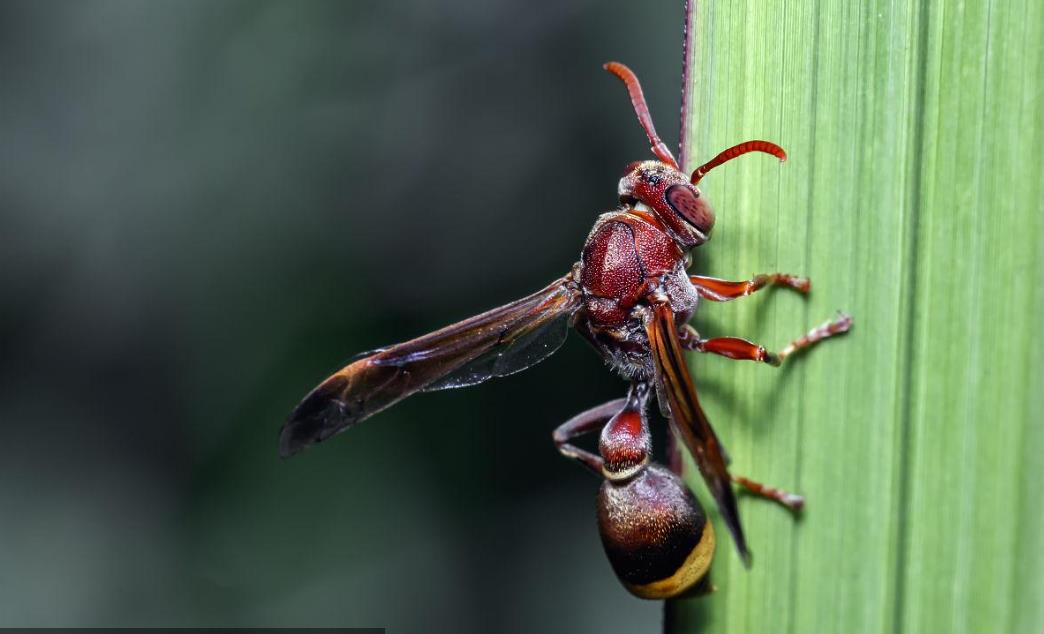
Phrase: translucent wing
x=496 y=343
x=677 y=397
x=525 y=351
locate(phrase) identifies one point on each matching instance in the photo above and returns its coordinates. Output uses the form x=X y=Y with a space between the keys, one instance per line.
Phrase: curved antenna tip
x=738 y=150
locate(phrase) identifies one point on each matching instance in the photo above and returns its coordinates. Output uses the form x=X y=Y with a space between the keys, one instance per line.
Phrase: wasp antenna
x=738 y=150
x=634 y=89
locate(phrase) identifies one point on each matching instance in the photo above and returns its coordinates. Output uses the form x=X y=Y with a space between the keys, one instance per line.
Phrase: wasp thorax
x=655 y=533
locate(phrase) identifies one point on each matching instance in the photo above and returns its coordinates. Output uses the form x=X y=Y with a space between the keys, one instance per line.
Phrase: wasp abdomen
x=655 y=533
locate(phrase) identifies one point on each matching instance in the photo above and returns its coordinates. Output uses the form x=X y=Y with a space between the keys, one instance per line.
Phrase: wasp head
x=670 y=195
x=661 y=186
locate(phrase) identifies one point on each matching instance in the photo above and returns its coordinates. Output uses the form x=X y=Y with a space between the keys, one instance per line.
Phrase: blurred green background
x=208 y=206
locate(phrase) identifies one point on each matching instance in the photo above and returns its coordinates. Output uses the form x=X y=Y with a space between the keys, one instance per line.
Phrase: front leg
x=724 y=291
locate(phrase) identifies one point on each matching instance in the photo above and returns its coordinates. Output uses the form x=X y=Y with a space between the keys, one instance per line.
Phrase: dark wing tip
x=726 y=500
x=320 y=415
x=290 y=443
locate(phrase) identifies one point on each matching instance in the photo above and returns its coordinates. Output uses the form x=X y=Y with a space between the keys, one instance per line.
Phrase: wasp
x=631 y=297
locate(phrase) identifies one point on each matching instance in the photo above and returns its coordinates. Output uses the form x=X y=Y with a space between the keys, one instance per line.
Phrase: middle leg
x=744 y=350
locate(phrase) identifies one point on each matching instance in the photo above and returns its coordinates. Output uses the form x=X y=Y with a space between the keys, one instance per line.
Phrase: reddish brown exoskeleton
x=631 y=297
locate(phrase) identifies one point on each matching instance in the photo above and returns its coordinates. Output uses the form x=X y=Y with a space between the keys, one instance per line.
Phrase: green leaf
x=912 y=198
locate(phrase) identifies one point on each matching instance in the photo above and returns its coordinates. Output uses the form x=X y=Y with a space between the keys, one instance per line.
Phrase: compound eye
x=686 y=201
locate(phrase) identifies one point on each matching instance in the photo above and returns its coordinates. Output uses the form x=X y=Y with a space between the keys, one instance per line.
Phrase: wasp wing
x=677 y=397
x=496 y=343
x=526 y=350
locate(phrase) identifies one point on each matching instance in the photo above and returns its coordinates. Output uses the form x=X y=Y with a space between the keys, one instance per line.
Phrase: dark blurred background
x=208 y=206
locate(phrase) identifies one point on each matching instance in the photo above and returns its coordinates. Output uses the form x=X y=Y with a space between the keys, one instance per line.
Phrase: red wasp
x=631 y=298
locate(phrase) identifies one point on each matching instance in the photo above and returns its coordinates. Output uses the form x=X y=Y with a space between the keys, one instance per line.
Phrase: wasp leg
x=724 y=291
x=792 y=501
x=743 y=350
x=583 y=423
x=731 y=347
x=833 y=327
